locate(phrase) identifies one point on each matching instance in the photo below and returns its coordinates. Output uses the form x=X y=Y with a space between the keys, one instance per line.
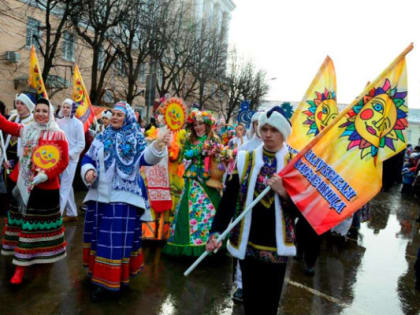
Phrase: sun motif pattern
x=322 y=110
x=46 y=156
x=83 y=108
x=174 y=113
x=35 y=77
x=377 y=121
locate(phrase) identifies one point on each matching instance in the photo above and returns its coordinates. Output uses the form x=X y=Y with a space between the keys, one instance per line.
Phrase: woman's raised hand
x=163 y=140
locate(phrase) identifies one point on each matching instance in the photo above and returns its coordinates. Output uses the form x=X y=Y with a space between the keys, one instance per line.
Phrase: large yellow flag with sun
x=80 y=95
x=317 y=108
x=35 y=76
x=340 y=170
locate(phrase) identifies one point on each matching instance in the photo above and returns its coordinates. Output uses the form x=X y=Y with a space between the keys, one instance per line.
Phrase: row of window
x=34 y=34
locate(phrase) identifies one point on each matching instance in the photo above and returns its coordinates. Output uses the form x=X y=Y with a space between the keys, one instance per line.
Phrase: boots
x=18 y=275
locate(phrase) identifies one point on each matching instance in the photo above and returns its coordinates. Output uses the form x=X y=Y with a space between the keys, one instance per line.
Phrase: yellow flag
x=317 y=108
x=340 y=170
x=35 y=76
x=80 y=95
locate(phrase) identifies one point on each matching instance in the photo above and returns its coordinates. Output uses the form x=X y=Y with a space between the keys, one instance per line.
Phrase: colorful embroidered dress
x=34 y=231
x=194 y=214
x=164 y=182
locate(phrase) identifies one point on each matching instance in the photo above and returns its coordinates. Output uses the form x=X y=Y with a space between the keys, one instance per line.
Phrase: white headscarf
x=30 y=135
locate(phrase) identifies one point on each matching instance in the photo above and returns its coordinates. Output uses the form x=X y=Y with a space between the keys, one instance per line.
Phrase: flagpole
x=396 y=60
x=229 y=228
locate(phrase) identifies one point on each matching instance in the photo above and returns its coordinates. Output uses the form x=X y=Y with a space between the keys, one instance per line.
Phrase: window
x=32 y=31
x=120 y=66
x=142 y=73
x=101 y=58
x=159 y=76
x=68 y=46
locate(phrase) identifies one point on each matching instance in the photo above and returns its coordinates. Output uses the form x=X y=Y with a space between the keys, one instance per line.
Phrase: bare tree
x=55 y=23
x=207 y=63
x=94 y=22
x=241 y=83
x=134 y=36
x=259 y=89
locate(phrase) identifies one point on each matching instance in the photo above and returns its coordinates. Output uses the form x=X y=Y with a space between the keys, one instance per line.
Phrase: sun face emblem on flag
x=377 y=121
x=322 y=110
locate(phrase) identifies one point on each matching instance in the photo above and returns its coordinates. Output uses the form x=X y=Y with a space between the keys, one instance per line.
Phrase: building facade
x=21 y=26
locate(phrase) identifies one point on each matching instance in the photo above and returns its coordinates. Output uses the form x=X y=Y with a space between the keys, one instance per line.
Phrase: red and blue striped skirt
x=112 y=243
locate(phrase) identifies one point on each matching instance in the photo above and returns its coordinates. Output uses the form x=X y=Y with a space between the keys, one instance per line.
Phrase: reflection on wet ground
x=371 y=275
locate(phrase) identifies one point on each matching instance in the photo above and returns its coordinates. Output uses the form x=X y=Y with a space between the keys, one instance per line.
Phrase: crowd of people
x=145 y=182
x=410 y=171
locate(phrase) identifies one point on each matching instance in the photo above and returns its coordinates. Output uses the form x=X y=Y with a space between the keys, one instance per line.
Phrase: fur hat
x=106 y=114
x=276 y=118
x=26 y=99
x=73 y=105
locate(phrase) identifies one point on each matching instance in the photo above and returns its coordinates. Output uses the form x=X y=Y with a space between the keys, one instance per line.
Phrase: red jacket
x=56 y=167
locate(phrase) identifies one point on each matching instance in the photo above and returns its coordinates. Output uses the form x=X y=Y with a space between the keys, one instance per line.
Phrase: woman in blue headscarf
x=116 y=200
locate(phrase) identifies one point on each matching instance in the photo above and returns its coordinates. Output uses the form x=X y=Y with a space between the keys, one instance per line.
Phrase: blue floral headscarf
x=123 y=147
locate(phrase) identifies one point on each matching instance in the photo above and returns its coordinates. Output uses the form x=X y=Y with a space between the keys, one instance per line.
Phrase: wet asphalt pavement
x=371 y=275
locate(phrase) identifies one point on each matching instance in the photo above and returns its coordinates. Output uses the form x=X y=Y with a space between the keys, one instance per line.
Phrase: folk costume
x=164 y=184
x=34 y=232
x=264 y=239
x=194 y=213
x=73 y=128
x=253 y=138
x=253 y=142
x=107 y=114
x=11 y=145
x=116 y=202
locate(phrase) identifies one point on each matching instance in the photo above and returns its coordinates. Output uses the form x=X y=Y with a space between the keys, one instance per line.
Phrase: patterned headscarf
x=123 y=147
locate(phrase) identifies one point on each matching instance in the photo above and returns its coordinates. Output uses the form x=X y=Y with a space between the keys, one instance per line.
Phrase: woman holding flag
x=264 y=239
x=34 y=231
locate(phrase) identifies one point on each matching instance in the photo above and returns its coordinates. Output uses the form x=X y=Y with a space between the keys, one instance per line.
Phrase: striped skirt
x=112 y=243
x=36 y=237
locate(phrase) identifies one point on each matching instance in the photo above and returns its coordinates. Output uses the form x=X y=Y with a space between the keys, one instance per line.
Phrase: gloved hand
x=39 y=178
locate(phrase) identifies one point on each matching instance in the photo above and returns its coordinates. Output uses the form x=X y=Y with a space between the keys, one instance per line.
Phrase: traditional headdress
x=200 y=115
x=27 y=100
x=252 y=131
x=30 y=137
x=122 y=150
x=276 y=118
x=73 y=106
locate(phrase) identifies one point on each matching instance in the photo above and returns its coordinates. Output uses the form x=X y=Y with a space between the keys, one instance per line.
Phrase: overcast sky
x=289 y=39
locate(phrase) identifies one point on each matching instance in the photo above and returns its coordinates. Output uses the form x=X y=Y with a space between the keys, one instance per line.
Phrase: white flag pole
x=229 y=228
